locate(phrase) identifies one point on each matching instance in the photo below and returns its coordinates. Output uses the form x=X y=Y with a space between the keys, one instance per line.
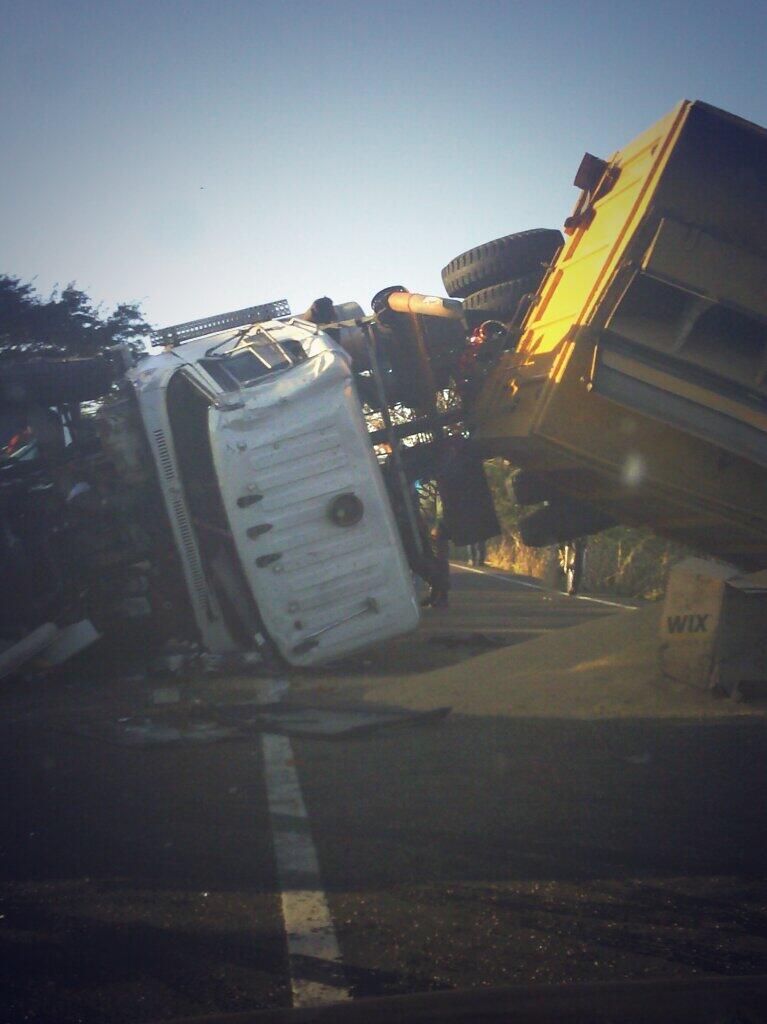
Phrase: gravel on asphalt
x=607 y=667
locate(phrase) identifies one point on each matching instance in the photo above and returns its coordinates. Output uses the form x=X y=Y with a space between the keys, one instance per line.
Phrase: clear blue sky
x=200 y=156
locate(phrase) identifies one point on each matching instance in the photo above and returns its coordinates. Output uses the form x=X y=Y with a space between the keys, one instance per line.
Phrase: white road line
x=537 y=586
x=308 y=925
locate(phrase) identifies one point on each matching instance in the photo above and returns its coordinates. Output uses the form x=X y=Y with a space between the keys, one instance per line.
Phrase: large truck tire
x=503 y=259
x=501 y=301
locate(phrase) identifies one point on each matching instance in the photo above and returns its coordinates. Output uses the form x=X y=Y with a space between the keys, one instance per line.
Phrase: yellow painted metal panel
x=594 y=251
x=693 y=259
x=686 y=389
x=538 y=407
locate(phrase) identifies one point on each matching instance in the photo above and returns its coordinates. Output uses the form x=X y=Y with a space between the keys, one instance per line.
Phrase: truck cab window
x=248 y=366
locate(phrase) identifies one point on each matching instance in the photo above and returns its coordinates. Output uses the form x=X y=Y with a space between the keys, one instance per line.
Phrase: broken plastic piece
x=70 y=641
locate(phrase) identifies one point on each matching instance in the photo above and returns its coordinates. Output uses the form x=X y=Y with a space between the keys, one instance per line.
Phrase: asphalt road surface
x=141 y=884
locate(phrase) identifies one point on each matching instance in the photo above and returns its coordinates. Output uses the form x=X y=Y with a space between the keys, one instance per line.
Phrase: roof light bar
x=179 y=333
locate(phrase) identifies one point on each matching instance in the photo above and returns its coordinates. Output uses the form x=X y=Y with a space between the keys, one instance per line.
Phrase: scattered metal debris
x=342 y=722
x=178 y=720
x=148 y=733
x=47 y=647
x=187 y=659
x=14 y=655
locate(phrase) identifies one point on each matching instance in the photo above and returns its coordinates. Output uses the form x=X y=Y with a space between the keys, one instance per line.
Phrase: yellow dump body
x=640 y=381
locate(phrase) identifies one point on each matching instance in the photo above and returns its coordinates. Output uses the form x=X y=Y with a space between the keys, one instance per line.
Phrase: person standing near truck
x=440 y=570
x=477 y=553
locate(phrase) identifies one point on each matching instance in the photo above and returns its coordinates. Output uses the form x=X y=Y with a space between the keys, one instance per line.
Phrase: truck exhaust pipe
x=425 y=305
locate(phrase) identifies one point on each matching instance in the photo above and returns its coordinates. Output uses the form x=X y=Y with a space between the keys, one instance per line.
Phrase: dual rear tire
x=495 y=278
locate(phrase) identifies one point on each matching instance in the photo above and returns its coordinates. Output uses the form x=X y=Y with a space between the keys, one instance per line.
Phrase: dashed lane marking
x=316 y=970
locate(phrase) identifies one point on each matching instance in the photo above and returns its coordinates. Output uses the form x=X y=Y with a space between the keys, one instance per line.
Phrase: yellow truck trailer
x=638 y=384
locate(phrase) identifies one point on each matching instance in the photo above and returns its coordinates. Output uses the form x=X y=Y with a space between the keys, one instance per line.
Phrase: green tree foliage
x=499 y=477
x=67 y=323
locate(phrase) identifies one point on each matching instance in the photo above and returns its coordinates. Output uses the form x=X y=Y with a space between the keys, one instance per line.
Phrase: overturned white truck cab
x=277 y=505
x=249 y=484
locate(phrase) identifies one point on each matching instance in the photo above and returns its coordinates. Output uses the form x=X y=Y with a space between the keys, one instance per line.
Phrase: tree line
x=66 y=323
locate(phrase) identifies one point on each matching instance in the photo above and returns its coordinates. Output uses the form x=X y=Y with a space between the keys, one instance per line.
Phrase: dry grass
x=622 y=561
x=508 y=552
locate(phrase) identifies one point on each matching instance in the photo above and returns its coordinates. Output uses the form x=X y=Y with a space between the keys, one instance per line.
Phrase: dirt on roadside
x=605 y=668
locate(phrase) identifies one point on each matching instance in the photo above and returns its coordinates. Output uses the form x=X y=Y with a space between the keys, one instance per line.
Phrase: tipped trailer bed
x=638 y=386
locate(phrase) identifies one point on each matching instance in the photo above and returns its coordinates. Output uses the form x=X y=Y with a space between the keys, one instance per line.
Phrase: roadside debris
x=343 y=721
x=47 y=647
x=149 y=733
x=69 y=641
x=166 y=695
x=713 y=630
x=15 y=655
x=174 y=719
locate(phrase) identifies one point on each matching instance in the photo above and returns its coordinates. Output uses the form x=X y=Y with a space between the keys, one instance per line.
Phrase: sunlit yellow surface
x=541 y=407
